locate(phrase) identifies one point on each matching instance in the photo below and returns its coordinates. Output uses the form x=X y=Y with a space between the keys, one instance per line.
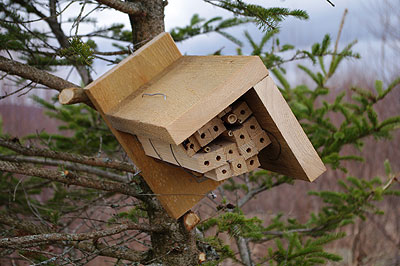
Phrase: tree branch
x=34 y=74
x=66 y=165
x=76 y=158
x=70 y=178
x=88 y=246
x=125 y=7
x=32 y=240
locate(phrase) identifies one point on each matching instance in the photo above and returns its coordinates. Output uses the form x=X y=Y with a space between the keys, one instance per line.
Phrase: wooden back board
x=178 y=190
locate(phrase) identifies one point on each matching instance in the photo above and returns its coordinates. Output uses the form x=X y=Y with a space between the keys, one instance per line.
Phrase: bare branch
x=70 y=178
x=93 y=161
x=32 y=240
x=66 y=165
x=88 y=246
x=34 y=74
x=126 y=7
x=23 y=225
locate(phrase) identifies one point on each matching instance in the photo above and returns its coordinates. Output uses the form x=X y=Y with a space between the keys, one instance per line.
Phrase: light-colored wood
x=242 y=111
x=225 y=111
x=252 y=126
x=252 y=163
x=220 y=173
x=241 y=136
x=291 y=152
x=191 y=146
x=261 y=140
x=178 y=190
x=230 y=118
x=248 y=150
x=203 y=136
x=197 y=89
x=200 y=162
x=190 y=220
x=238 y=166
x=217 y=127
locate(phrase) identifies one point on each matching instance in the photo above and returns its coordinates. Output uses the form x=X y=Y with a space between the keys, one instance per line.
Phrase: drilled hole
x=239 y=166
x=242 y=136
x=224 y=171
x=262 y=140
x=248 y=150
x=218 y=158
x=203 y=135
x=252 y=127
x=207 y=163
x=230 y=151
x=251 y=162
x=242 y=112
x=191 y=146
x=215 y=128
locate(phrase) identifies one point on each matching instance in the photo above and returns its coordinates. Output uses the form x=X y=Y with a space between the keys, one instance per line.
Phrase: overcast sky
x=323 y=19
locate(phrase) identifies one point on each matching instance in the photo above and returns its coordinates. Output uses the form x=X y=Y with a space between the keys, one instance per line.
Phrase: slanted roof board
x=190 y=84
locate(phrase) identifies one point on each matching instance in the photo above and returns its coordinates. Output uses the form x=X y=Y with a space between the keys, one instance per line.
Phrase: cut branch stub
x=74 y=95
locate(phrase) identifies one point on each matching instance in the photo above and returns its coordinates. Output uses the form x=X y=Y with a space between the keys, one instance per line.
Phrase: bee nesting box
x=181 y=117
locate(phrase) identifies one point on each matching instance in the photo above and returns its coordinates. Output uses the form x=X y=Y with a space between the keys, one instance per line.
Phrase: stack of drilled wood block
x=226 y=146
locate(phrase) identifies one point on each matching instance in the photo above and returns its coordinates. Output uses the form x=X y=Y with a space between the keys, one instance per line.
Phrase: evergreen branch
x=75 y=158
x=125 y=7
x=70 y=178
x=87 y=246
x=34 y=74
x=32 y=240
x=66 y=165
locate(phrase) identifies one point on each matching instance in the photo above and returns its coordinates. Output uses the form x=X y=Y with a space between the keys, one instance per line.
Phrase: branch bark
x=67 y=165
x=32 y=240
x=125 y=7
x=88 y=246
x=70 y=178
x=34 y=74
x=76 y=158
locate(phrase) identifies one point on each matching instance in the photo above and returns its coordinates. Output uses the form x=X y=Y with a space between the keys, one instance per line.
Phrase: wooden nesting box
x=190 y=121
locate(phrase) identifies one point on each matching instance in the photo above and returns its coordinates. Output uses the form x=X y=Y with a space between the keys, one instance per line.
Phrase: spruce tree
x=70 y=197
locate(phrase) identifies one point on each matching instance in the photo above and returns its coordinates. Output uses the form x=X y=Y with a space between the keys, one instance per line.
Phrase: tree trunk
x=177 y=246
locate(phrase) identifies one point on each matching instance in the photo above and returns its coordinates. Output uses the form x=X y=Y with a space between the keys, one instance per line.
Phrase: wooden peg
x=242 y=111
x=261 y=140
x=252 y=163
x=238 y=166
x=252 y=126
x=230 y=118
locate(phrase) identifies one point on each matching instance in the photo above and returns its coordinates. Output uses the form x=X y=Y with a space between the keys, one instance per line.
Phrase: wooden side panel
x=167 y=180
x=291 y=152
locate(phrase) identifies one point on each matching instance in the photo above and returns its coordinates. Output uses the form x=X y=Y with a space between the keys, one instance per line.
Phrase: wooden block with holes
x=221 y=173
x=191 y=146
x=261 y=140
x=242 y=111
x=252 y=163
x=252 y=126
x=198 y=94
